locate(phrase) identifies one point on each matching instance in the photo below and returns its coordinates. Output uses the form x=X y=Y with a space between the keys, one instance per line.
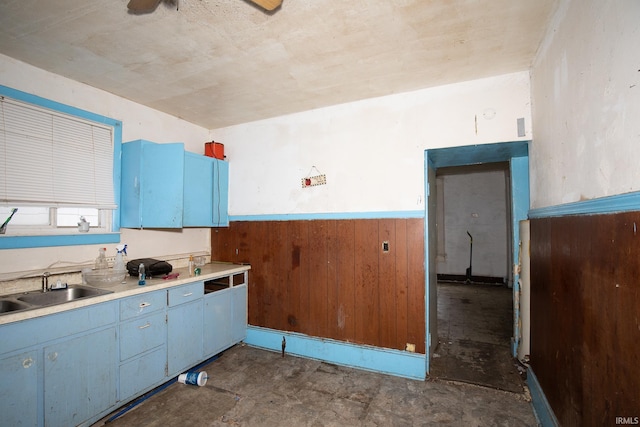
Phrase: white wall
x=138 y=122
x=371 y=151
x=475 y=202
x=585 y=86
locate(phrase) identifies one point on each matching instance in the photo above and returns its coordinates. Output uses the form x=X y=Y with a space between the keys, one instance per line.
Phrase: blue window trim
x=15 y=242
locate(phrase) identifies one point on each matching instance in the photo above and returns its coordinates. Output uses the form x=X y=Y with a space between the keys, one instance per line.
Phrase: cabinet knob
x=144 y=326
x=26 y=363
x=144 y=304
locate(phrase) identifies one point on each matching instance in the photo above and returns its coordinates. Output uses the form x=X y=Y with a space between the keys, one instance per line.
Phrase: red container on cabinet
x=214 y=149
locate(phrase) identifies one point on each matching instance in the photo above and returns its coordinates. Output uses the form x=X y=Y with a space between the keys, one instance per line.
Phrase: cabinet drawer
x=140 y=374
x=186 y=293
x=141 y=305
x=142 y=334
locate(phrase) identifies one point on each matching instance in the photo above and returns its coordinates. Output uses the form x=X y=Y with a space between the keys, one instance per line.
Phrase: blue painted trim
x=117 y=174
x=519 y=167
x=428 y=166
x=477 y=154
x=517 y=153
x=376 y=359
x=603 y=205
x=328 y=215
x=20 y=242
x=56 y=106
x=541 y=406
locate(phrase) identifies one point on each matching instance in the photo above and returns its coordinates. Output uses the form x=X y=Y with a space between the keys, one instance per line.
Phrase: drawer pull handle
x=144 y=304
x=188 y=295
x=144 y=326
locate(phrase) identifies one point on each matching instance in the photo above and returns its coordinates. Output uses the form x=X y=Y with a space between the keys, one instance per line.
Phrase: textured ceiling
x=217 y=63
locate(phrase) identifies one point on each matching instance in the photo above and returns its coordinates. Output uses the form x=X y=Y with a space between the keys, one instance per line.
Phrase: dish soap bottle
x=141 y=275
x=191 y=265
x=101 y=261
x=118 y=264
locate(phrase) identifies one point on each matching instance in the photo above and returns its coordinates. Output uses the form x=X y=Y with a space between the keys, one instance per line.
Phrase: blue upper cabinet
x=165 y=187
x=206 y=191
x=220 y=193
x=152 y=185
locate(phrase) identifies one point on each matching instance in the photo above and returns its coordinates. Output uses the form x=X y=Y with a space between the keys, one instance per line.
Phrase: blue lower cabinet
x=184 y=336
x=79 y=378
x=60 y=369
x=19 y=390
x=239 y=319
x=217 y=321
x=142 y=373
x=74 y=367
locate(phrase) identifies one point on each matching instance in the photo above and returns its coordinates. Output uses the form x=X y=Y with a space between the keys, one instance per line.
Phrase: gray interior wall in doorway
x=475 y=200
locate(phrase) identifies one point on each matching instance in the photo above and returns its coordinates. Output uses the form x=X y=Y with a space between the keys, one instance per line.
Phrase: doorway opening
x=474 y=298
x=476 y=197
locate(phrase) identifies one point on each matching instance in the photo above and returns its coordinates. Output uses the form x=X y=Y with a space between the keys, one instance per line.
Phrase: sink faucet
x=45 y=281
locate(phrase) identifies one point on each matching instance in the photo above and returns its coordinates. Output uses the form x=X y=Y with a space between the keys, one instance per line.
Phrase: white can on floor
x=193 y=378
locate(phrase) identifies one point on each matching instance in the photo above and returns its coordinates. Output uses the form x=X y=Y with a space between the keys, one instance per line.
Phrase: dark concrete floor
x=254 y=387
x=475 y=324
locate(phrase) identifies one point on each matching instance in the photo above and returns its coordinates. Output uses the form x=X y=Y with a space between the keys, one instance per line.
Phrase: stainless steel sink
x=7 y=306
x=60 y=296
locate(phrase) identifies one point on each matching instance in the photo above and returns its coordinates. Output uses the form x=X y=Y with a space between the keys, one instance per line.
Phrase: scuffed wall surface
x=371 y=151
x=585 y=86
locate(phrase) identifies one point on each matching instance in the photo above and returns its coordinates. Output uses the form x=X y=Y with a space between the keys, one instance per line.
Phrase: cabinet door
x=217 y=322
x=220 y=193
x=198 y=190
x=206 y=191
x=184 y=336
x=19 y=399
x=79 y=378
x=152 y=185
x=239 y=325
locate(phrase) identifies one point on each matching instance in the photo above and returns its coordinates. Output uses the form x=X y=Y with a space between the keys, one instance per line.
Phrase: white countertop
x=209 y=271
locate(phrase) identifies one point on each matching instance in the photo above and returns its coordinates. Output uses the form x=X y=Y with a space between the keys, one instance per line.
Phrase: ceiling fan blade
x=143 y=6
x=267 y=4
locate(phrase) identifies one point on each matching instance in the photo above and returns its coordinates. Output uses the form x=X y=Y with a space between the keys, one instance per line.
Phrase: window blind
x=53 y=159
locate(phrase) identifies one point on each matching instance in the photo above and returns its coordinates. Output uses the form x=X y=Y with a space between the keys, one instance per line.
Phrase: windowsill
x=21 y=242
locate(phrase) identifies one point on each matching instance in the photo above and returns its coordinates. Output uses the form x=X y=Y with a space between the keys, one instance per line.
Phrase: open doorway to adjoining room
x=477 y=196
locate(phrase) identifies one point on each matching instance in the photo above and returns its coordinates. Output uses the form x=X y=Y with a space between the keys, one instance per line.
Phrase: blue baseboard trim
x=541 y=406
x=376 y=359
x=329 y=215
x=603 y=205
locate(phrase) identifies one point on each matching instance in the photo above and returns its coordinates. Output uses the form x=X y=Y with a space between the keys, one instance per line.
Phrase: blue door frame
x=517 y=154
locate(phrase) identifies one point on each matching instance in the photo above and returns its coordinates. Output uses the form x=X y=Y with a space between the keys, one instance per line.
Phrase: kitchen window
x=58 y=164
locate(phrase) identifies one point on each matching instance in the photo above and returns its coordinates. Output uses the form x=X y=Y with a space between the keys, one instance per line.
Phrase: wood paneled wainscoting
x=585 y=316
x=333 y=278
